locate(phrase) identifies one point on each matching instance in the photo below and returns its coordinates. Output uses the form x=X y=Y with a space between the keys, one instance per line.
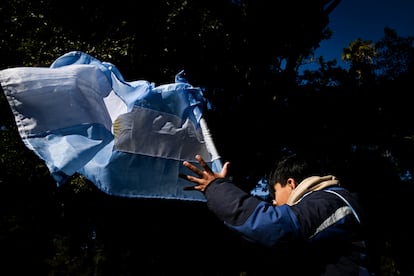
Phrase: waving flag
x=129 y=138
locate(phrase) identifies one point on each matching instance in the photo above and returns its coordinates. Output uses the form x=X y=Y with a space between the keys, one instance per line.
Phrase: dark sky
x=366 y=19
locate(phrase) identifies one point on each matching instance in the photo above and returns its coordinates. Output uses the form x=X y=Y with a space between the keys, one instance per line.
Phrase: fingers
x=225 y=169
x=189 y=178
x=205 y=175
x=189 y=188
x=193 y=168
x=183 y=176
x=203 y=164
x=206 y=169
x=196 y=170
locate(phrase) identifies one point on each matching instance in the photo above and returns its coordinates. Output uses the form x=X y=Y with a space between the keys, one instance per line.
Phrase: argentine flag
x=129 y=138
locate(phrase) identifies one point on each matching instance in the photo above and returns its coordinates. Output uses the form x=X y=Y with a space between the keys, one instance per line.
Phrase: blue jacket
x=319 y=235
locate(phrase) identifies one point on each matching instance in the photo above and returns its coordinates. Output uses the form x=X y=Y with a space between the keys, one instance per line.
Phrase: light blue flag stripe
x=128 y=138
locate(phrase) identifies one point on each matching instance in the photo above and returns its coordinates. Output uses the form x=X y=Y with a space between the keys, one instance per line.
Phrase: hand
x=206 y=176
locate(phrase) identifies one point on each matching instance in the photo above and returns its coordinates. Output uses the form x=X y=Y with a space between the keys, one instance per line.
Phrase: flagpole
x=215 y=157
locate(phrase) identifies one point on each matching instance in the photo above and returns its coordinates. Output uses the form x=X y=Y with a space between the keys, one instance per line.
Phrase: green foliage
x=87 y=260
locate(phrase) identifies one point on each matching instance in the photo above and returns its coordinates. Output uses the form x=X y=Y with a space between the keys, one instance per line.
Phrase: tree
x=360 y=54
x=395 y=55
x=244 y=53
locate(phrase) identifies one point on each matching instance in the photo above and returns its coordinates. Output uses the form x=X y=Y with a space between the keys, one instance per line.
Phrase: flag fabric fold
x=128 y=137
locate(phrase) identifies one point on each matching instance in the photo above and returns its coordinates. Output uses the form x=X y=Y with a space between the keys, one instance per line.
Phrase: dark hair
x=292 y=166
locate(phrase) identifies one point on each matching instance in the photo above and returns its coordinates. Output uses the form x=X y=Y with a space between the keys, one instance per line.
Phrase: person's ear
x=292 y=183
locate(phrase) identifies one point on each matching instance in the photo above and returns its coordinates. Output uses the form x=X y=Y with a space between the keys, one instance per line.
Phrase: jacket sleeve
x=254 y=219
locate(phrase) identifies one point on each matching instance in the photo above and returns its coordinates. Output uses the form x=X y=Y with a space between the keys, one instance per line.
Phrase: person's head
x=286 y=175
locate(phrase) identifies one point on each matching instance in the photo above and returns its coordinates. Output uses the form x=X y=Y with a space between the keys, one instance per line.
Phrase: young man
x=313 y=226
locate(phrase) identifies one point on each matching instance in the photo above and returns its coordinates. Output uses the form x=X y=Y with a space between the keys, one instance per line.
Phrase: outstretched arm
x=205 y=176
